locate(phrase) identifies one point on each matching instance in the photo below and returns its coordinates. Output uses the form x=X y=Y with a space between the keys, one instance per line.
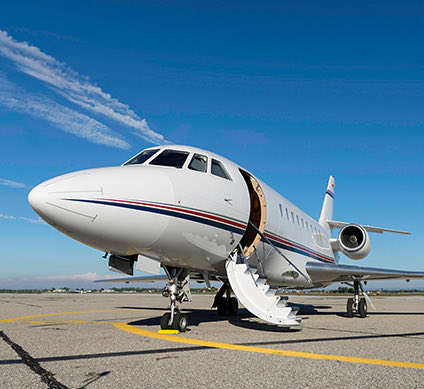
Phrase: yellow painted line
x=297 y=354
x=227 y=346
x=60 y=313
x=66 y=322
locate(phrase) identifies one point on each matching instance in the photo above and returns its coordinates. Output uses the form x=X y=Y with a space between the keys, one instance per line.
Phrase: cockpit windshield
x=142 y=157
x=177 y=159
x=199 y=162
x=218 y=169
x=172 y=158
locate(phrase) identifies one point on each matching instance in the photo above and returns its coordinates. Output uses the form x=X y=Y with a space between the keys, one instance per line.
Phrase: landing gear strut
x=356 y=304
x=226 y=305
x=178 y=290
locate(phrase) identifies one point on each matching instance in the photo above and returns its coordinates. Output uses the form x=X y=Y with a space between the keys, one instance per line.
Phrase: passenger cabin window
x=287 y=214
x=142 y=157
x=281 y=211
x=292 y=216
x=218 y=169
x=199 y=163
x=172 y=158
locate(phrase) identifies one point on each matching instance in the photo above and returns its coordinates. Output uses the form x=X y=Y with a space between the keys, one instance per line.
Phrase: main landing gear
x=178 y=290
x=356 y=304
x=226 y=305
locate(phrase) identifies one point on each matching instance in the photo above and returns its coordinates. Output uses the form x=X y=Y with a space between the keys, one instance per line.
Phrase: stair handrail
x=279 y=252
x=259 y=262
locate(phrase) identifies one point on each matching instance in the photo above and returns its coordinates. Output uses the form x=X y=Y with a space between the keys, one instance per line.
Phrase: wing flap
x=322 y=272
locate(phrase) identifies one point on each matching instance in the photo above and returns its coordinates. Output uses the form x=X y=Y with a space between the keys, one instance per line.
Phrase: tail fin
x=328 y=205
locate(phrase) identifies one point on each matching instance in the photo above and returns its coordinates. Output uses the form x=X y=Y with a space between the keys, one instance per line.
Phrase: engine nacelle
x=354 y=241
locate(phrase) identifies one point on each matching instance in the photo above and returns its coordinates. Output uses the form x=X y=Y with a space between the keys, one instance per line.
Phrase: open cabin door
x=257 y=215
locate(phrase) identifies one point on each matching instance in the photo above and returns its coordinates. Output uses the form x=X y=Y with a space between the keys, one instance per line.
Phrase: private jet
x=199 y=216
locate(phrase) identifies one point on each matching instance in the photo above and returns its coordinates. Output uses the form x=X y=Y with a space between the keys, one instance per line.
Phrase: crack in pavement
x=46 y=376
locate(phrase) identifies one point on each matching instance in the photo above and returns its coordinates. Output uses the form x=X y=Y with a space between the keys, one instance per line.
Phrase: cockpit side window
x=218 y=169
x=199 y=163
x=142 y=157
x=172 y=158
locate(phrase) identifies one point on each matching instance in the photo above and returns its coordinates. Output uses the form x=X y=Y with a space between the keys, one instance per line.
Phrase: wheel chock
x=176 y=332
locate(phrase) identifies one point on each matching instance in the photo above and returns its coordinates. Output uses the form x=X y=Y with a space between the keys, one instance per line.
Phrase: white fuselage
x=178 y=216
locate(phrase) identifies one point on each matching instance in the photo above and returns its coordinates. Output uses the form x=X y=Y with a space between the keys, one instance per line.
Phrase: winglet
x=328 y=205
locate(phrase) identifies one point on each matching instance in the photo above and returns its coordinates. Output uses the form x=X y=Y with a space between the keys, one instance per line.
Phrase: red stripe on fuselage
x=288 y=243
x=222 y=220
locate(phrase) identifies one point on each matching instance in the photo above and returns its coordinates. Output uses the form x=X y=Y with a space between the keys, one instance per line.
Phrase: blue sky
x=293 y=91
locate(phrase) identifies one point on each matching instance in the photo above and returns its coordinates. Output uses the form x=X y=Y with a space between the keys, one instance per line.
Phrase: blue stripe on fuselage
x=199 y=220
x=167 y=212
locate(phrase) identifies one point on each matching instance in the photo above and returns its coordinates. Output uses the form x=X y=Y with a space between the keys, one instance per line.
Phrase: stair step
x=257 y=296
x=271 y=292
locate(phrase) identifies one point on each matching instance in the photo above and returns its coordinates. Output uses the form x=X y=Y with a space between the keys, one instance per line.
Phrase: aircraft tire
x=222 y=306
x=349 y=307
x=164 y=321
x=362 y=308
x=233 y=306
x=180 y=322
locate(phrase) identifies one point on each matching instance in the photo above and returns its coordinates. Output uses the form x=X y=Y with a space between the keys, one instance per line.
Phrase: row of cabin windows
x=177 y=159
x=301 y=223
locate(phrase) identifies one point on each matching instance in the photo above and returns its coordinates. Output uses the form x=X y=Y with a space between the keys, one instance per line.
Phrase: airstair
x=255 y=294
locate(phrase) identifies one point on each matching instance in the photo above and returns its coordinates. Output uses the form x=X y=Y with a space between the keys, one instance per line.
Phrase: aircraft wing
x=378 y=230
x=322 y=272
x=135 y=279
x=193 y=276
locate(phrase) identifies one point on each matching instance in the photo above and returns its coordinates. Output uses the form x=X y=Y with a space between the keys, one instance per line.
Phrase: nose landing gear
x=178 y=290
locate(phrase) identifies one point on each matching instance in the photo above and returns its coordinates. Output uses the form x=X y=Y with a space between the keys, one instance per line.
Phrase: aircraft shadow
x=245 y=319
x=196 y=317
x=199 y=316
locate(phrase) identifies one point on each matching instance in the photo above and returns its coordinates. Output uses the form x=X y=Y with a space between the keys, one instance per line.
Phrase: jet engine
x=354 y=241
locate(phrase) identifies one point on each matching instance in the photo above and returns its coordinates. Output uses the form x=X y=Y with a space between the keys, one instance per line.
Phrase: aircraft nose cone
x=37 y=198
x=52 y=200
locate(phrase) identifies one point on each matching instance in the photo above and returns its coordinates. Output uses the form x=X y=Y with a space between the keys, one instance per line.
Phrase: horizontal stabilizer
x=378 y=230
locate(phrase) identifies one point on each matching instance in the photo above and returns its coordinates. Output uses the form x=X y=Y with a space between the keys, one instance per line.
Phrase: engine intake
x=354 y=241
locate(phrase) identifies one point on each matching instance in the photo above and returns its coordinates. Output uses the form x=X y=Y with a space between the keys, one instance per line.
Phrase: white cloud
x=64 y=118
x=11 y=184
x=74 y=87
x=26 y=219
x=86 y=277
x=8 y=217
x=32 y=221
x=41 y=282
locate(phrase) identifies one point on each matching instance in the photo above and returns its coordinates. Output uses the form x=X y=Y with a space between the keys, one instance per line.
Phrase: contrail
x=73 y=86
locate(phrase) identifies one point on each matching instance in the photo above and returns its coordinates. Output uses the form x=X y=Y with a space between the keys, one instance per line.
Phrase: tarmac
x=112 y=341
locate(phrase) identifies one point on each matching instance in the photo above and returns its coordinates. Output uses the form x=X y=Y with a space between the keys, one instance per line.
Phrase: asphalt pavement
x=111 y=341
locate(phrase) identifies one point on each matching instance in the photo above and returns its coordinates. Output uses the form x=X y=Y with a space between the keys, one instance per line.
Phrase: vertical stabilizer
x=328 y=205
